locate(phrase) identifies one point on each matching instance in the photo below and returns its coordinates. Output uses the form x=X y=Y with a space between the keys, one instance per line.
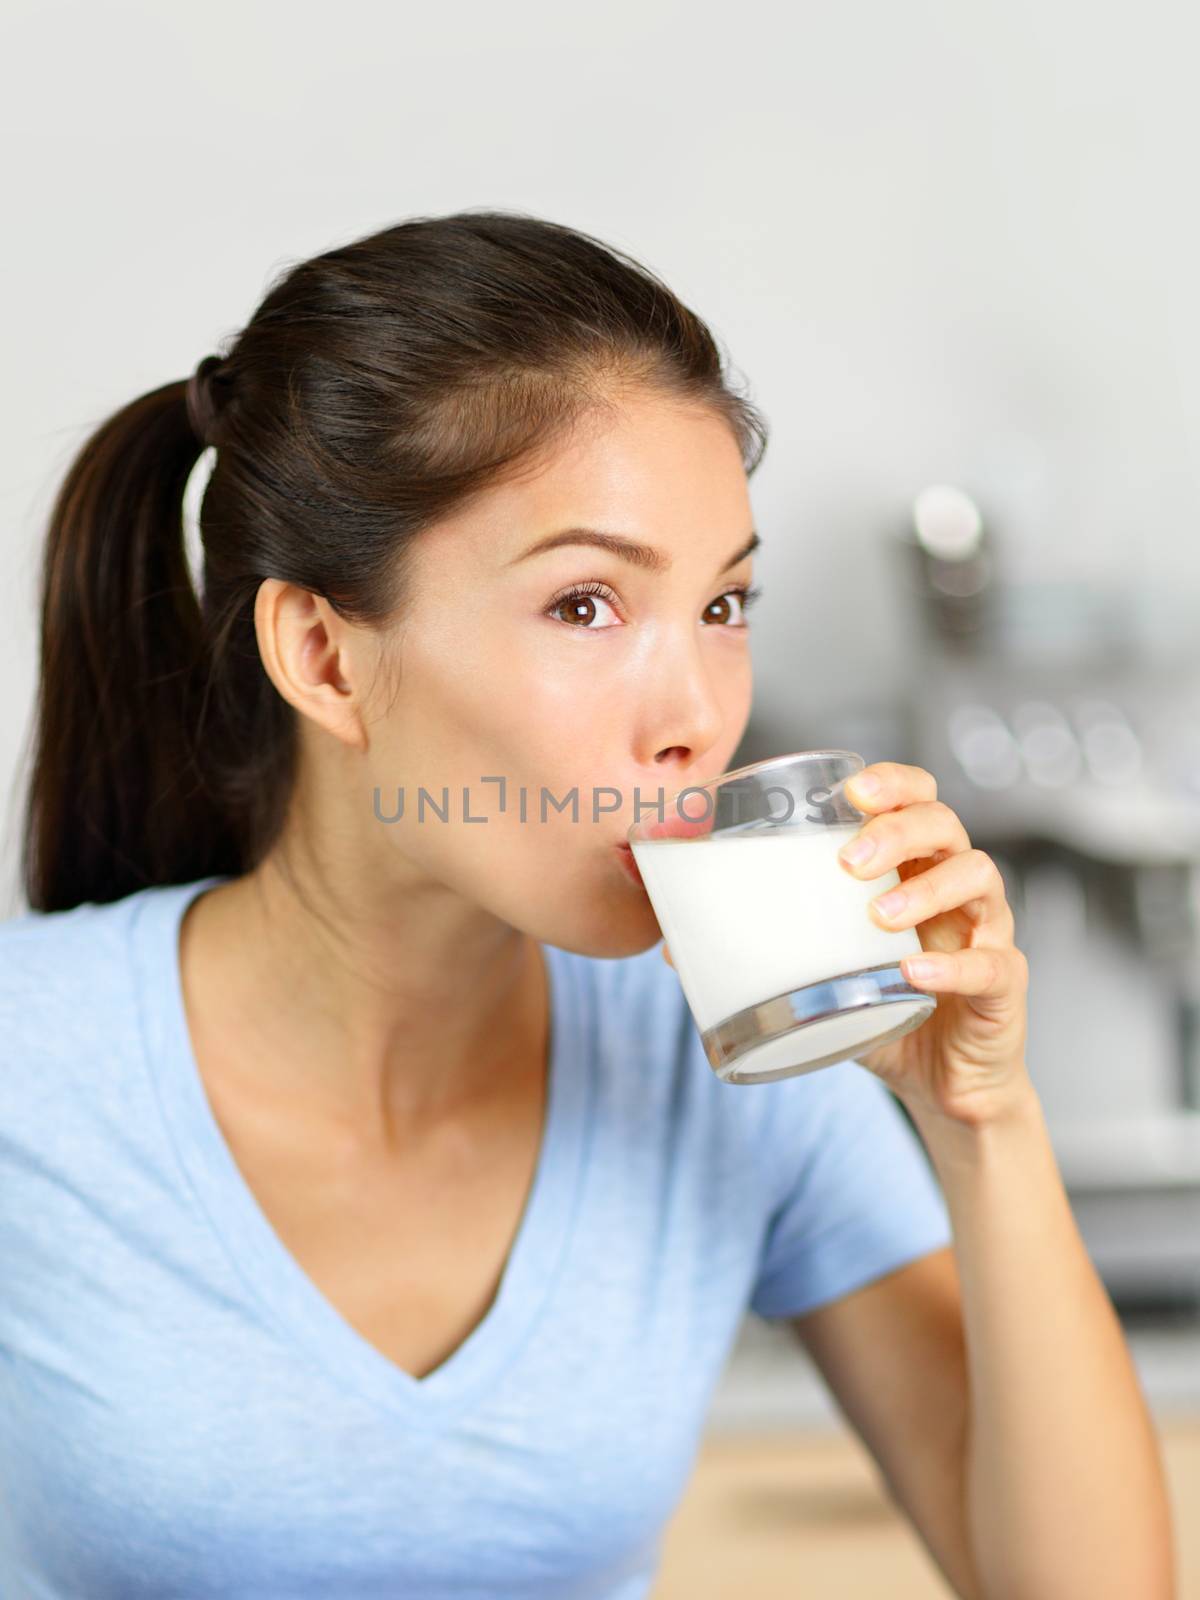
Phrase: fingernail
x=889 y=904
x=919 y=967
x=858 y=850
x=865 y=783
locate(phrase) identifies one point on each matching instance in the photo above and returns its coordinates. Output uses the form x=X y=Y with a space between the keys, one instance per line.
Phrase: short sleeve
x=859 y=1194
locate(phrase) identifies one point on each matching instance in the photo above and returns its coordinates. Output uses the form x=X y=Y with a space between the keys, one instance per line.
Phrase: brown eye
x=721 y=606
x=579 y=608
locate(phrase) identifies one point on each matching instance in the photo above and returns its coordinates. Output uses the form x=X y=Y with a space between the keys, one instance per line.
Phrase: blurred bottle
x=948 y=552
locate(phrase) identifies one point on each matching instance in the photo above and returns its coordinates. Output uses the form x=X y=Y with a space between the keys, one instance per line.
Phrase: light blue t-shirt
x=183 y=1413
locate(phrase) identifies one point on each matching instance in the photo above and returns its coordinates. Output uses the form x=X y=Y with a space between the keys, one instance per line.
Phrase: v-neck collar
x=273 y=1276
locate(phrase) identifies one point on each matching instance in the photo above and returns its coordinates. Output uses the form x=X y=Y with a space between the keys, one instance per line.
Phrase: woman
x=372 y=1222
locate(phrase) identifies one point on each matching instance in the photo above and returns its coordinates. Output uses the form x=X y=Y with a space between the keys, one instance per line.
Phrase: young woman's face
x=641 y=683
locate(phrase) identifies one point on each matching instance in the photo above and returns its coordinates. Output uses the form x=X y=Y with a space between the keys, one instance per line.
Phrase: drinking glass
x=782 y=966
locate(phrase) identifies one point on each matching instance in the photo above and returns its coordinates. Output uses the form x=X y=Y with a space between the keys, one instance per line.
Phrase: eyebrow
x=639 y=555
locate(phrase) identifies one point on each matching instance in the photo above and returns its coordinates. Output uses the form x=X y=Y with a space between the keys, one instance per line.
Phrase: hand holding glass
x=782 y=966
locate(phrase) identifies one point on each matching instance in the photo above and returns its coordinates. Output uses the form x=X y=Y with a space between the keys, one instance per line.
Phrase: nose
x=688 y=716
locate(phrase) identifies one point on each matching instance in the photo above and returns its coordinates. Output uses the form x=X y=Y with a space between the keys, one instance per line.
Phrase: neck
x=385 y=1008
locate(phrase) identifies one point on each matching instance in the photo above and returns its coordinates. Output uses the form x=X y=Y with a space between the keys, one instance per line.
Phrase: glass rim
x=769 y=761
x=751 y=766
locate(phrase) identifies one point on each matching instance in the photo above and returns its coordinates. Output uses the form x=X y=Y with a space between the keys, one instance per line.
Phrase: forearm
x=1063 y=1482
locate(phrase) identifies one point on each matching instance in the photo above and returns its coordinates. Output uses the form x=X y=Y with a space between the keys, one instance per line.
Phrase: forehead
x=654 y=470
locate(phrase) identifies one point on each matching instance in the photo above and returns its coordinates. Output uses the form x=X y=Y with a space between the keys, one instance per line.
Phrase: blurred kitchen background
x=952 y=252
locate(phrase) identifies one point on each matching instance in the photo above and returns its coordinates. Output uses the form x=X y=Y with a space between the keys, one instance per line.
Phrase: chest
x=179 y=1420
x=409 y=1248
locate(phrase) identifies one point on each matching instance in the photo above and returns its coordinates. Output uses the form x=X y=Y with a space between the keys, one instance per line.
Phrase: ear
x=311 y=656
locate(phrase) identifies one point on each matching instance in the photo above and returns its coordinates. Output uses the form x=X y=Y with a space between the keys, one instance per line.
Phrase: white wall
x=942 y=240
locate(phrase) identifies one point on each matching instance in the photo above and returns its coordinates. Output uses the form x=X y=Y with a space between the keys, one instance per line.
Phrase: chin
x=613 y=932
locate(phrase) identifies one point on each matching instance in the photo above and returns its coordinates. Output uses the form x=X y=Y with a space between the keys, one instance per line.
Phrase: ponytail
x=115 y=799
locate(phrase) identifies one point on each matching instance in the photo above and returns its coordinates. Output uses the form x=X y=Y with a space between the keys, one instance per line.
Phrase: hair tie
x=200 y=408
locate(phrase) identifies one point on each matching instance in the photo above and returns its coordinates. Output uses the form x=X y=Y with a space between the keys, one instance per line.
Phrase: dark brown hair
x=376 y=388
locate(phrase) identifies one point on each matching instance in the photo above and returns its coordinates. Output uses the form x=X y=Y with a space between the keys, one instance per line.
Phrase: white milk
x=752 y=915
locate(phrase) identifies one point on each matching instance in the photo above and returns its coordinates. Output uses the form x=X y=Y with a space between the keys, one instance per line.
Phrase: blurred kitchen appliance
x=1074 y=760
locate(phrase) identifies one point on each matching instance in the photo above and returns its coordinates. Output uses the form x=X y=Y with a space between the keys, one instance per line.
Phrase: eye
x=580 y=604
x=746 y=597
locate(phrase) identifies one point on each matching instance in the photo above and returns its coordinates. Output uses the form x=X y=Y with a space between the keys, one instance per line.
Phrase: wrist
x=979 y=1123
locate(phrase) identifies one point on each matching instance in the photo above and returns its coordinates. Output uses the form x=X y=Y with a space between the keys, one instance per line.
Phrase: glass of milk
x=781 y=963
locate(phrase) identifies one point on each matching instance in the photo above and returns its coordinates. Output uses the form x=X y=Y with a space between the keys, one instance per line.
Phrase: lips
x=625 y=855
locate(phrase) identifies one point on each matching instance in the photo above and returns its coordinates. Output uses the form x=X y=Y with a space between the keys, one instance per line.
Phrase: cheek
x=520 y=704
x=460 y=706
x=454 y=723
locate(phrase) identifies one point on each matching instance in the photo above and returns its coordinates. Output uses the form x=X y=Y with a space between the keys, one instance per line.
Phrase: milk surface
x=751 y=915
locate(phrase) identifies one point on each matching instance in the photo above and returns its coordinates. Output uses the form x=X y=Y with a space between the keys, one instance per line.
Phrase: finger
x=916 y=831
x=667 y=956
x=973 y=971
x=970 y=882
x=899 y=785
